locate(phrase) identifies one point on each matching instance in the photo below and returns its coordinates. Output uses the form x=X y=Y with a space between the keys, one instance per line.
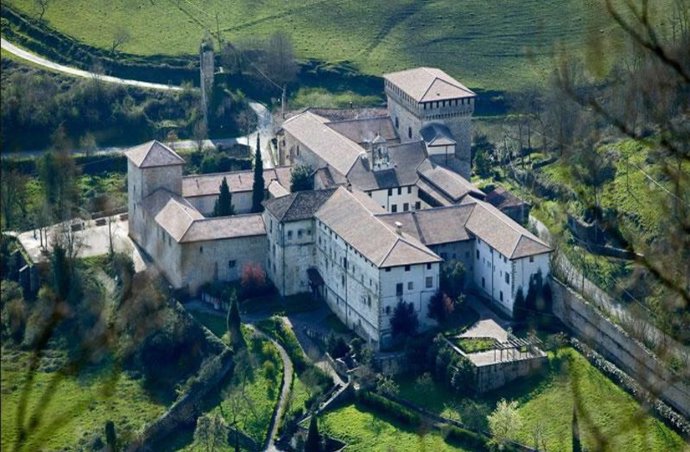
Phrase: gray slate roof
x=435 y=226
x=405 y=158
x=235 y=226
x=366 y=129
x=351 y=215
x=437 y=135
x=297 y=206
x=425 y=84
x=153 y=154
x=501 y=198
x=238 y=181
x=449 y=184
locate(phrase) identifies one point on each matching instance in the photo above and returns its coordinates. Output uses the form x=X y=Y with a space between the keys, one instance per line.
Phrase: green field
x=79 y=408
x=547 y=401
x=363 y=431
x=493 y=45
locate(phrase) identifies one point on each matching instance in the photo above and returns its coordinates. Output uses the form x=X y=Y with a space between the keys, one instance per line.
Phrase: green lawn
x=475 y=344
x=79 y=408
x=495 y=45
x=547 y=401
x=365 y=431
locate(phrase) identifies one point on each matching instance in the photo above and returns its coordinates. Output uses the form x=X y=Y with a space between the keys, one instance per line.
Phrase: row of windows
x=300 y=232
x=409 y=191
x=408 y=268
x=445 y=103
x=406 y=206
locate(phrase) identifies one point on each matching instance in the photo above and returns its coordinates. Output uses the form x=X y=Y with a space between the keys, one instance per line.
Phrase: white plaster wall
x=398 y=197
x=523 y=270
x=489 y=275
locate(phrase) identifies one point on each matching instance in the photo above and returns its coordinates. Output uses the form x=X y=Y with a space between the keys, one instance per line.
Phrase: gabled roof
x=501 y=198
x=238 y=181
x=435 y=226
x=365 y=129
x=153 y=154
x=503 y=234
x=333 y=148
x=172 y=212
x=351 y=215
x=425 y=84
x=224 y=228
x=437 y=135
x=450 y=184
x=297 y=206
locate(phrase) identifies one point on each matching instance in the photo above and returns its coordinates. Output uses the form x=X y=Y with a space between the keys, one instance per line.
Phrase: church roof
x=153 y=154
x=426 y=84
x=351 y=215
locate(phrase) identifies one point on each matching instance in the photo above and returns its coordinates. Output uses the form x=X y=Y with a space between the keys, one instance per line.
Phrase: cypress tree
x=110 y=436
x=223 y=206
x=234 y=324
x=313 y=443
x=259 y=187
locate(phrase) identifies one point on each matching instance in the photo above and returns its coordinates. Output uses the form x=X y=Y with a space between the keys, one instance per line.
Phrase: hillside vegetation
x=492 y=45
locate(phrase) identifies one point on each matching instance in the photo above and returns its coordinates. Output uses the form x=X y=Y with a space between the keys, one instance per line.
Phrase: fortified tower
x=150 y=166
x=428 y=104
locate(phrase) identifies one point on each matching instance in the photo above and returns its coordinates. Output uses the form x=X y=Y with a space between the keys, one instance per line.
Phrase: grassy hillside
x=494 y=45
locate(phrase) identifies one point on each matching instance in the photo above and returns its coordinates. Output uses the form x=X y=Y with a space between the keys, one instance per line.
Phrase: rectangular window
x=417 y=205
x=390 y=192
x=299 y=234
x=410 y=285
x=388 y=269
x=501 y=295
x=409 y=190
x=483 y=282
x=289 y=235
x=507 y=278
x=399 y=289
x=477 y=254
x=531 y=258
x=201 y=250
x=394 y=208
x=406 y=207
x=429 y=282
x=399 y=190
x=232 y=264
x=407 y=268
x=428 y=266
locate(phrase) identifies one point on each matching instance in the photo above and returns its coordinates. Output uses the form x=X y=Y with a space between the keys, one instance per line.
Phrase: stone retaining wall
x=619 y=347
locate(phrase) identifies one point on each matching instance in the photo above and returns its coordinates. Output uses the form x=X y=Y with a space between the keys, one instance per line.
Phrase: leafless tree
x=121 y=36
x=42 y=6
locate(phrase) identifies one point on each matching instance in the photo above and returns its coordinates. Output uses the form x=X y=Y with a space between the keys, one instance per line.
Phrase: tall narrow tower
x=425 y=96
x=206 y=71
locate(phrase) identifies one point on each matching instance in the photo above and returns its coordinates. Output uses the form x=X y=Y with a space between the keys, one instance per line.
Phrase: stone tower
x=422 y=97
x=206 y=71
x=150 y=166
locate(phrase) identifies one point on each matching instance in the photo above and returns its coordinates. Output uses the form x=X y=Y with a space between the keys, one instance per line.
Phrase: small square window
x=531 y=258
x=232 y=264
x=428 y=266
x=388 y=269
x=407 y=268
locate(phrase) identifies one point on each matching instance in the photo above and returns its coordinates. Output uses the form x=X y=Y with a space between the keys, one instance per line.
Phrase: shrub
x=337 y=348
x=253 y=281
x=385 y=406
x=404 y=321
x=468 y=439
x=269 y=370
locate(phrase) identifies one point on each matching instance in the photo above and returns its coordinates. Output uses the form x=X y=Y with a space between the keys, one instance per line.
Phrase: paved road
x=264 y=117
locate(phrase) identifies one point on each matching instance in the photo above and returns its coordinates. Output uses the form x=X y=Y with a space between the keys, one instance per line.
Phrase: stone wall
x=496 y=375
x=619 y=347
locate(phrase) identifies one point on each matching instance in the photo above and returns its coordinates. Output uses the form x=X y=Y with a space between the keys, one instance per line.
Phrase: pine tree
x=223 y=206
x=313 y=443
x=259 y=185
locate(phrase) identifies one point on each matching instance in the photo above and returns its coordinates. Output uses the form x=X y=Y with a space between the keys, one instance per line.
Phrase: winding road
x=264 y=117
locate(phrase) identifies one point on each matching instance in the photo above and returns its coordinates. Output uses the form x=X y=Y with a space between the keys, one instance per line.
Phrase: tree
x=404 y=321
x=313 y=443
x=58 y=173
x=453 y=277
x=252 y=280
x=110 y=436
x=259 y=187
x=14 y=198
x=87 y=143
x=120 y=36
x=504 y=423
x=279 y=62
x=577 y=446
x=223 y=206
x=441 y=307
x=42 y=6
x=482 y=152
x=200 y=134
x=301 y=178
x=234 y=324
x=211 y=432
x=519 y=306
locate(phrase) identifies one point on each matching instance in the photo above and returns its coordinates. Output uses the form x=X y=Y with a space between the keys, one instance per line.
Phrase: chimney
x=398 y=227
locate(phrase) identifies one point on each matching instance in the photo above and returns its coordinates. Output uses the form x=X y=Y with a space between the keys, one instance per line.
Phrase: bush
x=468 y=439
x=337 y=348
x=253 y=281
x=385 y=406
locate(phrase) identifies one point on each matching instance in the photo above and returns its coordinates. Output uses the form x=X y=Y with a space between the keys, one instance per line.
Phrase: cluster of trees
x=34 y=101
x=538 y=300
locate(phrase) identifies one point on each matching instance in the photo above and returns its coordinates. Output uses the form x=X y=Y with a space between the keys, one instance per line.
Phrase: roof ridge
x=416 y=225
x=510 y=224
